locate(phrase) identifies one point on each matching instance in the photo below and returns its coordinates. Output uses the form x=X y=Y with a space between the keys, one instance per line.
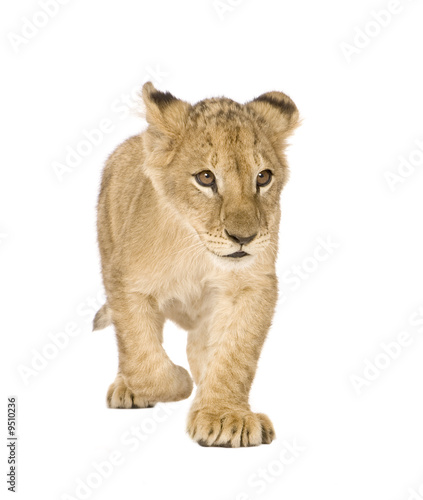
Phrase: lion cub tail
x=102 y=318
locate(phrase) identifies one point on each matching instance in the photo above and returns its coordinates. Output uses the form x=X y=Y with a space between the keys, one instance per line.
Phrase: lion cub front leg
x=146 y=374
x=220 y=414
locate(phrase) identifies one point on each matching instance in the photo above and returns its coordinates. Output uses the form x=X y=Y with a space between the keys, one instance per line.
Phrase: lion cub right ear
x=164 y=112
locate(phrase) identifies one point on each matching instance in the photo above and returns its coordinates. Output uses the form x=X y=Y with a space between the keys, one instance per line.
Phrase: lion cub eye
x=205 y=178
x=263 y=178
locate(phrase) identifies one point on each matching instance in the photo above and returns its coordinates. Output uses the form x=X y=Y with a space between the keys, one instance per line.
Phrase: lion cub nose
x=242 y=240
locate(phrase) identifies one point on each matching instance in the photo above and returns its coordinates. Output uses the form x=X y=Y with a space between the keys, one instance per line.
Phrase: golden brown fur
x=163 y=240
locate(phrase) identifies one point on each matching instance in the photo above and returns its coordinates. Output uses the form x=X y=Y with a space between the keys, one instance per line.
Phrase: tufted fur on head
x=168 y=115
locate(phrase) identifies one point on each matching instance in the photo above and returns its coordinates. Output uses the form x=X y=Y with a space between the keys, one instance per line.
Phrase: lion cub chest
x=190 y=308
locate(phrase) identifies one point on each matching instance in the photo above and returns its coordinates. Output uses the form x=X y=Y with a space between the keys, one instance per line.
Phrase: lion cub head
x=221 y=165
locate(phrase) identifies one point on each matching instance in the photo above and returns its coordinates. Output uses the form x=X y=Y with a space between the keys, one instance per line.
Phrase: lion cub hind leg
x=146 y=374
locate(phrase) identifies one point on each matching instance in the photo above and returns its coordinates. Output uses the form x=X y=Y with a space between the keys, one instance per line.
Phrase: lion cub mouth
x=237 y=255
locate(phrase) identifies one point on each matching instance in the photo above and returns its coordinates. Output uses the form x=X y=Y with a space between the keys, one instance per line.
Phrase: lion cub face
x=221 y=165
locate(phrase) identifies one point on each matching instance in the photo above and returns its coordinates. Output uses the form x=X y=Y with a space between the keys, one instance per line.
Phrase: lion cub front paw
x=120 y=396
x=173 y=385
x=231 y=428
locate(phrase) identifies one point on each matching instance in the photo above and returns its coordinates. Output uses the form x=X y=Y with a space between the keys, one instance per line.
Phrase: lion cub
x=188 y=218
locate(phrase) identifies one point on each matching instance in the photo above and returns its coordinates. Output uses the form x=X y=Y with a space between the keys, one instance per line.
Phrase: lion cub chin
x=188 y=217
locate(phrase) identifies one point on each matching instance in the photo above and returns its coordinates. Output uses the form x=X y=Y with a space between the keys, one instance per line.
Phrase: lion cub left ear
x=164 y=112
x=279 y=112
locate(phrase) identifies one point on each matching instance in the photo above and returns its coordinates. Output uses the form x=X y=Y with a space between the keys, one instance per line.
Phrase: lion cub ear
x=279 y=112
x=164 y=111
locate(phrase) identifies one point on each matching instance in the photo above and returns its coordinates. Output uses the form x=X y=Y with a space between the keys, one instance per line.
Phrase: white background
x=361 y=114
